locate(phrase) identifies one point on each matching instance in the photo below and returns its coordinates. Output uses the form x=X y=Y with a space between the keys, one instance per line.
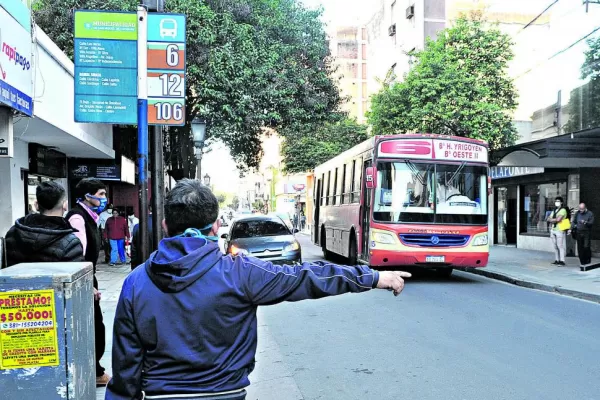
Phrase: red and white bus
x=423 y=201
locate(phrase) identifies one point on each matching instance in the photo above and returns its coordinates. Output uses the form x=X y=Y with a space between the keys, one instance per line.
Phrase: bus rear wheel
x=353 y=252
x=326 y=253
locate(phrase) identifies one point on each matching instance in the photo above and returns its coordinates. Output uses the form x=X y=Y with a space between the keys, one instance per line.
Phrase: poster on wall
x=16 y=65
x=28 y=332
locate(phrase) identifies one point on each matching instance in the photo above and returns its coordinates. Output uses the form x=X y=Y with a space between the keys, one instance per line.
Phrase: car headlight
x=237 y=251
x=291 y=247
x=480 y=240
x=383 y=238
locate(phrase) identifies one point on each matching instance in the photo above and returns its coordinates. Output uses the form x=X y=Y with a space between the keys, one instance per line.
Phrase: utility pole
x=142 y=48
x=157 y=161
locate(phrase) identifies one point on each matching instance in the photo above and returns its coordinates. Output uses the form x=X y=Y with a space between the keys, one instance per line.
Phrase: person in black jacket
x=91 y=195
x=44 y=237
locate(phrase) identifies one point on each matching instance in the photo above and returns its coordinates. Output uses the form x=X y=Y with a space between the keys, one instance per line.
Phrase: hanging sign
x=106 y=67
x=166 y=69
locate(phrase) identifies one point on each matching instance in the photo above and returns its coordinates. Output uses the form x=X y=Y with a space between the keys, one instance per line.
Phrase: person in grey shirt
x=582 y=222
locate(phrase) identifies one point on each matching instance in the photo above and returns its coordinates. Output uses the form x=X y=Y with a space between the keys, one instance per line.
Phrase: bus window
x=328 y=186
x=357 y=180
x=343 y=186
x=322 y=194
x=335 y=187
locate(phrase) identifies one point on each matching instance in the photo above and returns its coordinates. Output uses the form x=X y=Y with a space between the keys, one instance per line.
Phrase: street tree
x=584 y=102
x=312 y=145
x=251 y=65
x=458 y=86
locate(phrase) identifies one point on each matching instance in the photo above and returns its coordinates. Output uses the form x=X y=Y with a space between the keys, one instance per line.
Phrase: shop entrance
x=506 y=215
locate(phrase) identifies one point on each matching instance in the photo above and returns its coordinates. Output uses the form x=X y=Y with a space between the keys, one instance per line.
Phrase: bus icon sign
x=168 y=28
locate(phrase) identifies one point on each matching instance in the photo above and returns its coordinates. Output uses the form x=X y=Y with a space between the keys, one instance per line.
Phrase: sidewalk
x=532 y=269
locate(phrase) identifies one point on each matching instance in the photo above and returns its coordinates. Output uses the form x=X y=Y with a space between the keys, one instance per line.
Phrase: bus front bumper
x=386 y=258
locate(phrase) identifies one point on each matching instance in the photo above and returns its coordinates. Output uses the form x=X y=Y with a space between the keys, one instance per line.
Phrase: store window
x=538 y=204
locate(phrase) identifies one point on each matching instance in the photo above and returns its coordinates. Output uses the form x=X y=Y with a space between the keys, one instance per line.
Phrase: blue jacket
x=186 y=322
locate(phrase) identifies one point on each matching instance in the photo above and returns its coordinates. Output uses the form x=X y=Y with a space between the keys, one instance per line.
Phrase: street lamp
x=206 y=180
x=199 y=132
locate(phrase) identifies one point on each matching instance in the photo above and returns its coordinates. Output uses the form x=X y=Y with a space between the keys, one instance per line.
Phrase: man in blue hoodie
x=185 y=325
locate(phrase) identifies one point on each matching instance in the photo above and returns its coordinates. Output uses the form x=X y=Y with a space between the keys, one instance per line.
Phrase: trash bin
x=47 y=332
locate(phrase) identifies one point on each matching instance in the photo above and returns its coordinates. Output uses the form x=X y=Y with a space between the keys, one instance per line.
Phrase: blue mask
x=196 y=233
x=102 y=206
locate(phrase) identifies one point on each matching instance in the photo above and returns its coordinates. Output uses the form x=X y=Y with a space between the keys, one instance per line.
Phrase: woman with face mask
x=558 y=234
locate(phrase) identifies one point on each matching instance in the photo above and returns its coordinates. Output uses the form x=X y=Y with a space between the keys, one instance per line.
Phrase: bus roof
x=370 y=145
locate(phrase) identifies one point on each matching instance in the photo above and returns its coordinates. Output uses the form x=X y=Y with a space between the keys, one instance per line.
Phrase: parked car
x=265 y=237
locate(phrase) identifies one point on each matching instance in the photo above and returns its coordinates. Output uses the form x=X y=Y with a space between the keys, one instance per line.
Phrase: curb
x=534 y=285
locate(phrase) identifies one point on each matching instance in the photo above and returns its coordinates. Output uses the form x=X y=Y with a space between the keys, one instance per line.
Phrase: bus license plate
x=435 y=259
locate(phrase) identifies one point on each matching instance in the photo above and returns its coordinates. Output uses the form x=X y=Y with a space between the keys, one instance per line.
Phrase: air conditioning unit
x=410 y=12
x=392 y=30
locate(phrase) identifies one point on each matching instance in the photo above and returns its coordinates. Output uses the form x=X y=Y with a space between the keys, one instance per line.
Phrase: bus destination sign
x=434 y=149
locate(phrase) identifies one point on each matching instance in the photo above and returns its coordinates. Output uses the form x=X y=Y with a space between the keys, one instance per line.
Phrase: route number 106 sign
x=166 y=69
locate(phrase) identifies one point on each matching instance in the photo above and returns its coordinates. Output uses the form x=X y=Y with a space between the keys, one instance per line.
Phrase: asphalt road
x=465 y=337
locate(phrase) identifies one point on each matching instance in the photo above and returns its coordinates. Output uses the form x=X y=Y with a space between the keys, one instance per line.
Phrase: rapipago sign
x=16 y=65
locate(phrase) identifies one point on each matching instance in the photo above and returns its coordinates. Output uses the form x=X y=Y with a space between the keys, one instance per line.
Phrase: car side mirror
x=224 y=236
x=296 y=230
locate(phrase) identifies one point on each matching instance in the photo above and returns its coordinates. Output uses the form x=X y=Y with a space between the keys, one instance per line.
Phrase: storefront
x=523 y=196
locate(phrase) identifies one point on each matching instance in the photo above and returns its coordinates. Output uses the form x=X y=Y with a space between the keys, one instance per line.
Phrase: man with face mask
x=557 y=234
x=91 y=195
x=104 y=216
x=47 y=236
x=583 y=221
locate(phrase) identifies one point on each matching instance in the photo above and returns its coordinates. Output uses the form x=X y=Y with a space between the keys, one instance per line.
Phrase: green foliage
x=584 y=103
x=235 y=203
x=459 y=86
x=251 y=64
x=315 y=144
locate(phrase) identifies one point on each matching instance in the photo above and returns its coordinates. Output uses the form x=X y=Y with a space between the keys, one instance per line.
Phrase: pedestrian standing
x=104 y=216
x=302 y=221
x=91 y=195
x=582 y=224
x=136 y=242
x=559 y=219
x=117 y=231
x=47 y=236
x=185 y=325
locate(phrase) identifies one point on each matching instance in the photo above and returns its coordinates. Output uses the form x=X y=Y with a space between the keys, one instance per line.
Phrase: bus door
x=365 y=217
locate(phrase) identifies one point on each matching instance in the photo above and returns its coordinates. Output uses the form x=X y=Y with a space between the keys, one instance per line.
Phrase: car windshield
x=430 y=193
x=257 y=228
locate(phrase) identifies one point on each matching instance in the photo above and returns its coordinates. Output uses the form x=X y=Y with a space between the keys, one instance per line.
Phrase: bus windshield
x=412 y=192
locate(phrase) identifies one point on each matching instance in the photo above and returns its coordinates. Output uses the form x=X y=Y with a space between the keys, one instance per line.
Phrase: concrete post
x=47 y=332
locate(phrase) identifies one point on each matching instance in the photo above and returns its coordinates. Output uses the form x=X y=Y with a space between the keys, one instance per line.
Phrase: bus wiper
x=458 y=170
x=416 y=172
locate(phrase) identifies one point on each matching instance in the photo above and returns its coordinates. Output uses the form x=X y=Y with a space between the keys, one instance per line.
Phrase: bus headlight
x=480 y=240
x=383 y=238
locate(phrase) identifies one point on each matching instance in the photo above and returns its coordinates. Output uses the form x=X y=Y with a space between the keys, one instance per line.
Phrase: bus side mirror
x=370 y=177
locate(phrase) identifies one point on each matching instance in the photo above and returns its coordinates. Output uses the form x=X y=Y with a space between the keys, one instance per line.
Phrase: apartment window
x=364 y=51
x=364 y=71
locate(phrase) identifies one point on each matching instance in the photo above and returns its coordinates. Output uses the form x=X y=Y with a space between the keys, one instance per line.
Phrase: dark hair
x=558 y=198
x=49 y=195
x=88 y=186
x=190 y=205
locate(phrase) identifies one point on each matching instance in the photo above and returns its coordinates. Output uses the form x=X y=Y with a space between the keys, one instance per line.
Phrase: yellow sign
x=28 y=336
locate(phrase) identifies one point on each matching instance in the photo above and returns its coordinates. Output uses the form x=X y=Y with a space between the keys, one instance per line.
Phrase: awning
x=576 y=150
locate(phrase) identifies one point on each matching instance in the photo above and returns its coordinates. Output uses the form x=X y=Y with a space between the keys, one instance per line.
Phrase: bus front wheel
x=326 y=253
x=353 y=254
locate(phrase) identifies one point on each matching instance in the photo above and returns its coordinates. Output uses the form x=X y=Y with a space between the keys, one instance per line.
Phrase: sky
x=343 y=12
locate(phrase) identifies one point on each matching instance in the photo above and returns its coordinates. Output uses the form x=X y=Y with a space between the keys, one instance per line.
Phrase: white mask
x=558 y=204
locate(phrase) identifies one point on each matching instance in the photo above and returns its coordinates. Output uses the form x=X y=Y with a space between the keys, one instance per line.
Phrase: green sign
x=103 y=25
